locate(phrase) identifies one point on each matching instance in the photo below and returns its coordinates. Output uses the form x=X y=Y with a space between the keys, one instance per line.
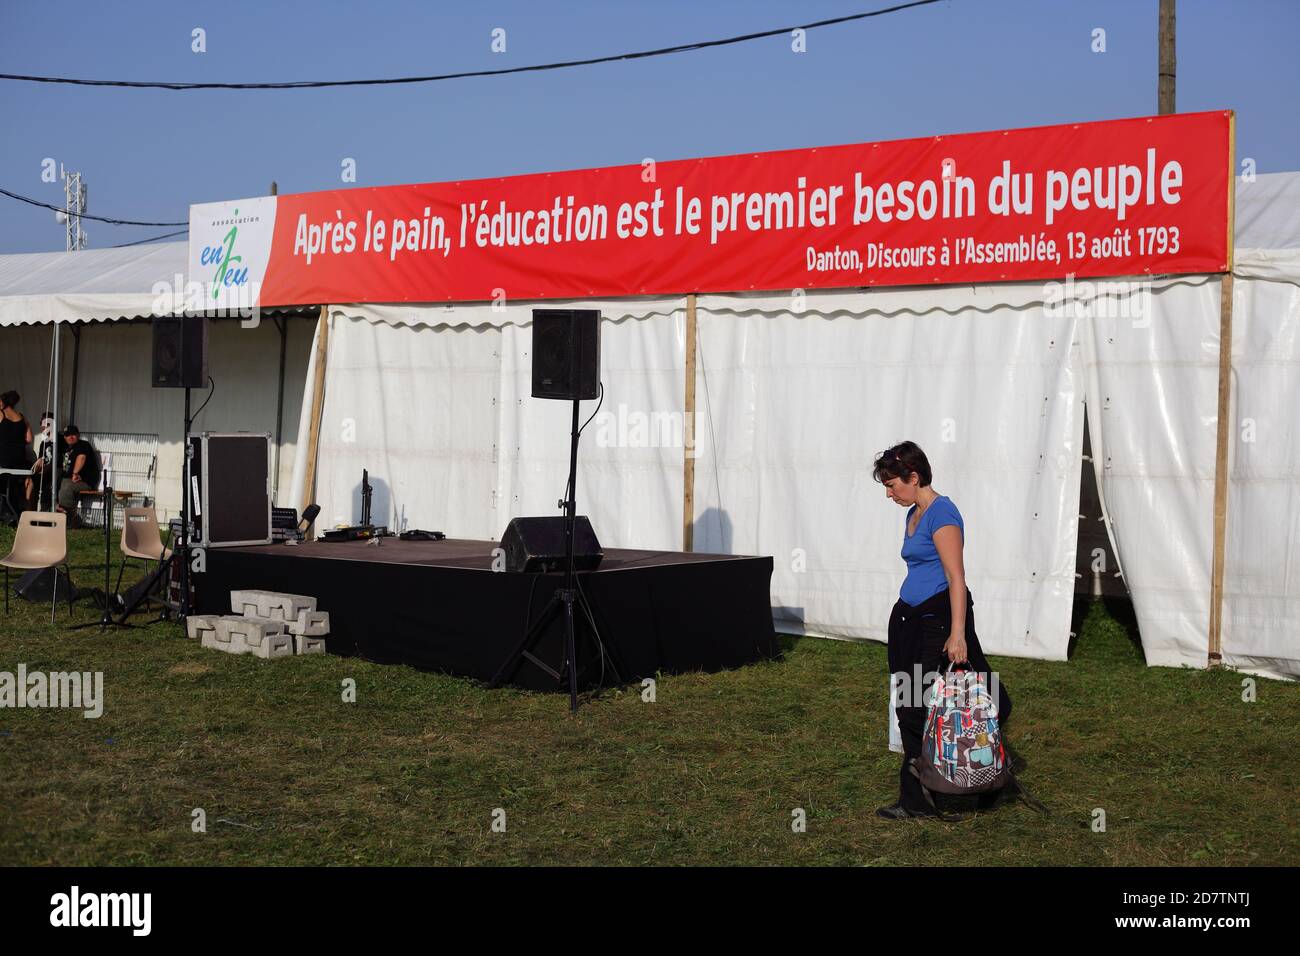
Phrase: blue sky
x=956 y=66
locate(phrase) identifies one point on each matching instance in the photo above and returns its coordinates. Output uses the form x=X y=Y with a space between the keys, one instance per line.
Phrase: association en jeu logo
x=224 y=258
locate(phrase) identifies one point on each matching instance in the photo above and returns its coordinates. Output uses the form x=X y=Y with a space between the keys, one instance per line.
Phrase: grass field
x=288 y=773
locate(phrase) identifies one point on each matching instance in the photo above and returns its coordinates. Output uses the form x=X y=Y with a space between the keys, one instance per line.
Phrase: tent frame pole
x=281 y=323
x=317 y=407
x=688 y=431
x=1223 y=425
x=1223 y=429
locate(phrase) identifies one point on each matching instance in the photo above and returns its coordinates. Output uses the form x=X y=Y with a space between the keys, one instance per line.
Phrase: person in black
x=80 y=470
x=15 y=436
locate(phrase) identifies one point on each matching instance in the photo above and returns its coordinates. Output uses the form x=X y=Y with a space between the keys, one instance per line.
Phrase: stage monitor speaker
x=230 y=489
x=566 y=353
x=537 y=544
x=180 y=351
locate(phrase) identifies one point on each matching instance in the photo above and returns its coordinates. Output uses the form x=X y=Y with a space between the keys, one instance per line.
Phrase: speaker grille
x=180 y=352
x=566 y=353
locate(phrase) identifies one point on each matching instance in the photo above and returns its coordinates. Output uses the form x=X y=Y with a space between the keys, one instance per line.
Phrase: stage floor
x=438 y=605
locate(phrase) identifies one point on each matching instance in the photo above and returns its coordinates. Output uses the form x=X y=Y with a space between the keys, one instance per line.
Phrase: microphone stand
x=105 y=619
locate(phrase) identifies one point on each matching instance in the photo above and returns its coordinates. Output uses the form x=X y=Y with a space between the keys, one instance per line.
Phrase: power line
x=567 y=64
x=141 y=242
x=86 y=215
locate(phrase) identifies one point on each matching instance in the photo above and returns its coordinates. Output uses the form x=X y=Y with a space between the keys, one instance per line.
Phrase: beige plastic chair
x=41 y=541
x=140 y=539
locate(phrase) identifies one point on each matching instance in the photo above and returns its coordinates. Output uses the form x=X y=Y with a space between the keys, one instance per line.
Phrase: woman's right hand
x=955 y=647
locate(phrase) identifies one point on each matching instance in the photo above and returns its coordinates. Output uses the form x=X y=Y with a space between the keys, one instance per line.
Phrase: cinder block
x=310 y=624
x=308 y=645
x=272 y=605
x=222 y=638
x=262 y=637
x=197 y=624
x=273 y=645
x=258 y=636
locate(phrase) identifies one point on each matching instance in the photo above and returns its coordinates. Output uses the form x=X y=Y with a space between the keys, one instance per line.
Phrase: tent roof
x=104 y=284
x=132 y=269
x=1268 y=212
x=90 y=285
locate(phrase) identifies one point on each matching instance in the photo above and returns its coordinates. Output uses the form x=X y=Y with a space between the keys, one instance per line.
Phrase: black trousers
x=916 y=639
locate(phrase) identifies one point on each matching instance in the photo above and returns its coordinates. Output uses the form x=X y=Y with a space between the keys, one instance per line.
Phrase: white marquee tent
x=100 y=301
x=797 y=392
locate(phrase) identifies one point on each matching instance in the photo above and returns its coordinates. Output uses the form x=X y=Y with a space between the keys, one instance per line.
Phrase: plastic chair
x=140 y=539
x=41 y=541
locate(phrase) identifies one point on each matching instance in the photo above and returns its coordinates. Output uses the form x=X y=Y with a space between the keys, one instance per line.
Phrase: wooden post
x=1221 y=471
x=1167 y=80
x=317 y=406
x=1224 y=424
x=688 y=433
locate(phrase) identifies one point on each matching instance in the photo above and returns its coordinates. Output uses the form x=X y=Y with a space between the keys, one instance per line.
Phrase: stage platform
x=438 y=605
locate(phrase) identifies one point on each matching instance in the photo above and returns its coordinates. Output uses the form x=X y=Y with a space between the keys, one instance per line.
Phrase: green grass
x=410 y=773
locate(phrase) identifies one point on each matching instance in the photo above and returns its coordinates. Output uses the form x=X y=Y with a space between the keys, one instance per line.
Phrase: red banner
x=1124 y=197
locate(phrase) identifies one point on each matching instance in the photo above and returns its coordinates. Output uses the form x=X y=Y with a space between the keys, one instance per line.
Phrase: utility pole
x=1168 y=56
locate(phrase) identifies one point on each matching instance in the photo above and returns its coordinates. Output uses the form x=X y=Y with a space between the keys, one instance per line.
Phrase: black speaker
x=566 y=353
x=537 y=544
x=180 y=351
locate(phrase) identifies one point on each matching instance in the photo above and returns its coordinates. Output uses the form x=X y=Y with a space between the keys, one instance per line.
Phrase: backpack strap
x=929 y=798
x=1023 y=793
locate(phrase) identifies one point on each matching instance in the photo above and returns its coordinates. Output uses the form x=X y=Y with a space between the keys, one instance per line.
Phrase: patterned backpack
x=961 y=749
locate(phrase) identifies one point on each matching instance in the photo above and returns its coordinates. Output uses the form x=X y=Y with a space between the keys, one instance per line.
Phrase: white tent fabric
x=797 y=405
x=1152 y=408
x=1261 y=608
x=440 y=415
x=92 y=285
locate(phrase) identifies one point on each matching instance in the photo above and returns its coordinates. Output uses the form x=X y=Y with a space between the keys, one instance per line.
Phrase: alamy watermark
x=230 y=295
x=78 y=690
x=919 y=689
x=625 y=427
x=1109 y=299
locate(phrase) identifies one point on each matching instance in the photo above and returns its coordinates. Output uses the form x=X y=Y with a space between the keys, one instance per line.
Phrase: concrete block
x=259 y=636
x=273 y=605
x=310 y=624
x=223 y=638
x=273 y=645
x=197 y=624
x=308 y=645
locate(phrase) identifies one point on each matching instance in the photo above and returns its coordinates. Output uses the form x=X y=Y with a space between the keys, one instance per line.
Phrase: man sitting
x=80 y=472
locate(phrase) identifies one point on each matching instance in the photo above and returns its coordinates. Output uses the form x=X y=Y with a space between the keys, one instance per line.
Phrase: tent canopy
x=92 y=285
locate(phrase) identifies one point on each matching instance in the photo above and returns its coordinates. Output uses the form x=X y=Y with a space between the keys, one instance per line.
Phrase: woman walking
x=933 y=622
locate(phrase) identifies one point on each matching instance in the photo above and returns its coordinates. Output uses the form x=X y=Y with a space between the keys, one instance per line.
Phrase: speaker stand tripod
x=562 y=601
x=106 y=619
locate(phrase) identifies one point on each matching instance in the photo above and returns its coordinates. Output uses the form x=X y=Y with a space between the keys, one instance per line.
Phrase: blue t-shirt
x=925 y=577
